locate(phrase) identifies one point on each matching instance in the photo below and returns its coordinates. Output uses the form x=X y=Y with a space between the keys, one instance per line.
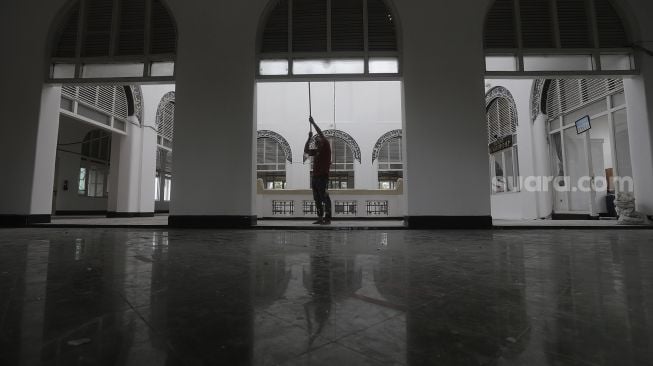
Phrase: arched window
x=588 y=134
x=316 y=37
x=165 y=121
x=270 y=163
x=107 y=105
x=271 y=155
x=388 y=152
x=501 y=118
x=105 y=39
x=342 y=164
x=557 y=37
x=94 y=166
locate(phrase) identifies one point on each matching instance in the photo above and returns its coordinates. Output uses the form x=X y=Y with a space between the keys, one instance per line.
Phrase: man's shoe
x=319 y=221
x=326 y=222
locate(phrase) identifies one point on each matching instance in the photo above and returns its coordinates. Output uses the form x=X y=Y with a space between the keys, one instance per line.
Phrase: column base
x=23 y=220
x=212 y=222
x=449 y=222
x=113 y=215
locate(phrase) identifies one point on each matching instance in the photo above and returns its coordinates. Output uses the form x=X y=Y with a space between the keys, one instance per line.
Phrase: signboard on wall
x=501 y=143
x=583 y=125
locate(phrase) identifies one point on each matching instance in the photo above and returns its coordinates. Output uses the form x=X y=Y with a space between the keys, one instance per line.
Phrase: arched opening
x=565 y=63
x=272 y=153
x=339 y=61
x=165 y=121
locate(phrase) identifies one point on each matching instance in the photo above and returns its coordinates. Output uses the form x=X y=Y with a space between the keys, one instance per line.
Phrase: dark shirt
x=322 y=159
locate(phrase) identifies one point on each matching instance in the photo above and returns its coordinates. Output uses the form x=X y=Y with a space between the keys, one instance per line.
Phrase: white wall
x=364 y=110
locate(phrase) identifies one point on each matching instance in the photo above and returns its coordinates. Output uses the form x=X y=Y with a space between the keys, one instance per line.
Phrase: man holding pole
x=320 y=174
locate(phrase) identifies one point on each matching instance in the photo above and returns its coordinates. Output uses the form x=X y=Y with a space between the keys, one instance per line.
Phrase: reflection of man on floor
x=320 y=175
x=318 y=309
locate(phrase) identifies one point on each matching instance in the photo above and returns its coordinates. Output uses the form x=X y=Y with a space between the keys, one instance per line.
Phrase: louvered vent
x=269 y=155
x=612 y=33
x=275 y=35
x=500 y=26
x=537 y=24
x=566 y=95
x=390 y=153
x=164 y=31
x=501 y=119
x=67 y=43
x=309 y=26
x=98 y=21
x=347 y=25
x=109 y=99
x=166 y=121
x=116 y=28
x=131 y=39
x=574 y=24
x=382 y=35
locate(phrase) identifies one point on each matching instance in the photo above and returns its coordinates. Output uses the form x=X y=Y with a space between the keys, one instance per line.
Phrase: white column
x=27 y=156
x=639 y=100
x=542 y=162
x=447 y=177
x=214 y=145
x=133 y=164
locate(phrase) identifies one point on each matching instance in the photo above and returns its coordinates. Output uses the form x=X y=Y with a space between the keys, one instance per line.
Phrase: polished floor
x=257 y=297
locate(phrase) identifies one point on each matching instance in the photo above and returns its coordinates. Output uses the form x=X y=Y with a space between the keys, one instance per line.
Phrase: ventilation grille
x=566 y=95
x=382 y=35
x=67 y=44
x=111 y=100
x=310 y=27
x=99 y=16
x=275 y=35
x=166 y=121
x=574 y=24
x=131 y=39
x=347 y=32
x=538 y=25
x=500 y=26
x=612 y=33
x=164 y=160
x=129 y=16
x=501 y=119
x=164 y=31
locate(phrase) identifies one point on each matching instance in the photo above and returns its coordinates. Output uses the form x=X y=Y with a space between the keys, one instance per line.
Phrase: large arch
x=101 y=40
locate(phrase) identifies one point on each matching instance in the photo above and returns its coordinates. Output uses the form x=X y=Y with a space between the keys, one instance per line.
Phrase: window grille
x=321 y=31
x=342 y=155
x=345 y=208
x=110 y=29
x=309 y=208
x=390 y=155
x=282 y=208
x=377 y=208
x=567 y=95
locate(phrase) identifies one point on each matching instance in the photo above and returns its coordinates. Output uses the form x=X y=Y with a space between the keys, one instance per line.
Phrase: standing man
x=320 y=175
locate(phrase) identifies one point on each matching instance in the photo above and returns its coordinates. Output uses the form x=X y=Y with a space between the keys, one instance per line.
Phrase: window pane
x=317 y=67
x=273 y=67
x=384 y=65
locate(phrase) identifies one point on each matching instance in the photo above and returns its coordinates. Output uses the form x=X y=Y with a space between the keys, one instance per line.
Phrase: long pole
x=310 y=105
